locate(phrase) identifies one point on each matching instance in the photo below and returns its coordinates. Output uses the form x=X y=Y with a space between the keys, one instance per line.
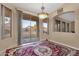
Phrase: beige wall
x=68 y=39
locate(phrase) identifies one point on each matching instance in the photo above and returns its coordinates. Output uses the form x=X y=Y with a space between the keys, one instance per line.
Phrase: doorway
x=29 y=31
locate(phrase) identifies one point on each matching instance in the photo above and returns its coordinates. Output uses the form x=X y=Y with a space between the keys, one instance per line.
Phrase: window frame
x=3 y=8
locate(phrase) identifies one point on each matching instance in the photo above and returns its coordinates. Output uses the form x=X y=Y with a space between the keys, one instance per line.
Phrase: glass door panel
x=25 y=31
x=34 y=31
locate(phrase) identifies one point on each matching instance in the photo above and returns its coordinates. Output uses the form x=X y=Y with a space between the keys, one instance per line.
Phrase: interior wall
x=68 y=39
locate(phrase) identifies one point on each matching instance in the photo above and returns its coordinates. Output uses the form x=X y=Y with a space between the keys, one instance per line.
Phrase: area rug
x=41 y=48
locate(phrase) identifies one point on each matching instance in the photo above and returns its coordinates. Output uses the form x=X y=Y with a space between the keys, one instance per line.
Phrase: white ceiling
x=36 y=7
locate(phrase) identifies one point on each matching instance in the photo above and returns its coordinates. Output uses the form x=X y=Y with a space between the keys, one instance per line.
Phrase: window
x=73 y=27
x=6 y=22
x=63 y=27
x=57 y=25
x=45 y=26
x=65 y=22
x=67 y=27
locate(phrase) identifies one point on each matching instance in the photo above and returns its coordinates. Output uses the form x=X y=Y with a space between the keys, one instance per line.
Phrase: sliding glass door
x=29 y=30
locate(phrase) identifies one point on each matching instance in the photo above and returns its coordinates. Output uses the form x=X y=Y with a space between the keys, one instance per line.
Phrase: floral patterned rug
x=41 y=48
